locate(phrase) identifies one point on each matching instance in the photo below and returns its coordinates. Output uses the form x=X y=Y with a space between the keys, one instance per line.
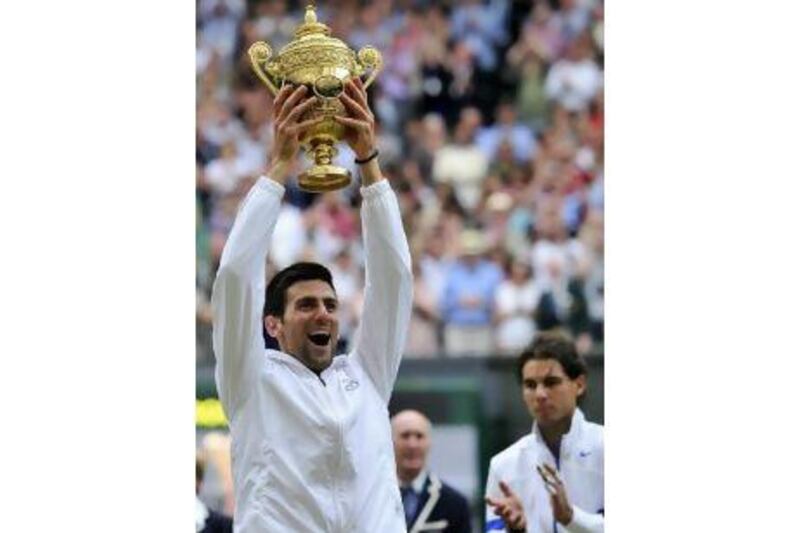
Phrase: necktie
x=410 y=501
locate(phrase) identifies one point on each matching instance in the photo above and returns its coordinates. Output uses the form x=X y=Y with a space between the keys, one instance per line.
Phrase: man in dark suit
x=429 y=504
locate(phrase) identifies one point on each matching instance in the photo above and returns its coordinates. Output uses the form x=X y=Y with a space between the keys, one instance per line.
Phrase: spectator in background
x=469 y=297
x=423 y=331
x=574 y=80
x=334 y=225
x=434 y=264
x=273 y=23
x=541 y=36
x=515 y=301
x=348 y=280
x=591 y=281
x=548 y=60
x=481 y=26
x=507 y=128
x=567 y=448
x=574 y=16
x=554 y=259
x=224 y=173
x=494 y=217
x=290 y=238
x=207 y=520
x=219 y=22
x=425 y=138
x=429 y=504
x=461 y=163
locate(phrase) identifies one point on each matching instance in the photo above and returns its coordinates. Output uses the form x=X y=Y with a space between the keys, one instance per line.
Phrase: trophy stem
x=324 y=152
x=323 y=176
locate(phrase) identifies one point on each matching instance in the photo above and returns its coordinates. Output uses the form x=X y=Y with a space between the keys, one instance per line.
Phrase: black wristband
x=367 y=159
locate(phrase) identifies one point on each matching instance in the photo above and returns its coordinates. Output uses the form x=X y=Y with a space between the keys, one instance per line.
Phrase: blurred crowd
x=490 y=120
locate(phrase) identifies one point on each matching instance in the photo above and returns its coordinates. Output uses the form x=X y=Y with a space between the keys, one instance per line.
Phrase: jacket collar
x=569 y=439
x=427 y=502
x=295 y=364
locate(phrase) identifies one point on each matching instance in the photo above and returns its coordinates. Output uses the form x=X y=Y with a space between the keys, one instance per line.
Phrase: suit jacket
x=441 y=509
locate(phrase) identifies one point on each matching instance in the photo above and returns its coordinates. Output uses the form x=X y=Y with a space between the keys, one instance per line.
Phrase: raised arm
x=388 y=293
x=386 y=314
x=238 y=294
x=238 y=297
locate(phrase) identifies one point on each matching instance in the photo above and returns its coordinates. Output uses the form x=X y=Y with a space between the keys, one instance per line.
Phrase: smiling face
x=411 y=435
x=550 y=395
x=309 y=327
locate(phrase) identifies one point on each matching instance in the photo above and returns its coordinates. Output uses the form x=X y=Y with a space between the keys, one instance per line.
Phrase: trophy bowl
x=323 y=64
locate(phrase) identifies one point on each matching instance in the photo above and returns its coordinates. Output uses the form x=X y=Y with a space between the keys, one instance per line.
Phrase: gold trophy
x=322 y=63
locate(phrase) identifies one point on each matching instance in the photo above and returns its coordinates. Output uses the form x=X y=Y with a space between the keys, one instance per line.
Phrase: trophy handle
x=259 y=53
x=370 y=57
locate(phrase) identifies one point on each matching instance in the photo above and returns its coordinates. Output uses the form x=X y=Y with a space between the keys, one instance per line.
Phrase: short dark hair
x=553 y=345
x=275 y=299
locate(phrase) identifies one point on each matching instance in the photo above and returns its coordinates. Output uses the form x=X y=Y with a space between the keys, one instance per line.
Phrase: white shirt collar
x=418 y=483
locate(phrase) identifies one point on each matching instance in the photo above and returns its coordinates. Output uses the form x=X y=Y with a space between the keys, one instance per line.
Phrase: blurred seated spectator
x=468 y=302
x=574 y=16
x=591 y=281
x=273 y=23
x=423 y=332
x=574 y=80
x=219 y=25
x=290 y=237
x=482 y=26
x=224 y=173
x=425 y=137
x=507 y=128
x=334 y=225
x=554 y=256
x=515 y=301
x=434 y=264
x=461 y=162
x=347 y=278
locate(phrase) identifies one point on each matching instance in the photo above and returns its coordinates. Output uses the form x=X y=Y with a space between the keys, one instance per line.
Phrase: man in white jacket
x=311 y=440
x=551 y=480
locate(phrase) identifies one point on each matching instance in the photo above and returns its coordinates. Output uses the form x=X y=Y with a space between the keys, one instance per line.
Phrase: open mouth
x=320 y=339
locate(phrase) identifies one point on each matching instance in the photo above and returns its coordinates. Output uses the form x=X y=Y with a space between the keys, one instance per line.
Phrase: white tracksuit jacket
x=310 y=456
x=580 y=467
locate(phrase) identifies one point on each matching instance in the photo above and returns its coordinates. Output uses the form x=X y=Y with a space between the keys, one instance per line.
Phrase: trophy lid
x=311 y=26
x=312 y=51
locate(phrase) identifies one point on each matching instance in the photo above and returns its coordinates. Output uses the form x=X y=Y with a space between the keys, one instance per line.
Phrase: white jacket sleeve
x=238 y=295
x=583 y=522
x=380 y=339
x=493 y=521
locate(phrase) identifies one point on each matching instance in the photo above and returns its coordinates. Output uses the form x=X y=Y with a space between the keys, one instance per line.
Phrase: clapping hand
x=509 y=507
x=562 y=510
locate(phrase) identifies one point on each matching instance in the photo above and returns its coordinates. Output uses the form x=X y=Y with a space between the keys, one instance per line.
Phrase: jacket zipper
x=558 y=469
x=339 y=521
